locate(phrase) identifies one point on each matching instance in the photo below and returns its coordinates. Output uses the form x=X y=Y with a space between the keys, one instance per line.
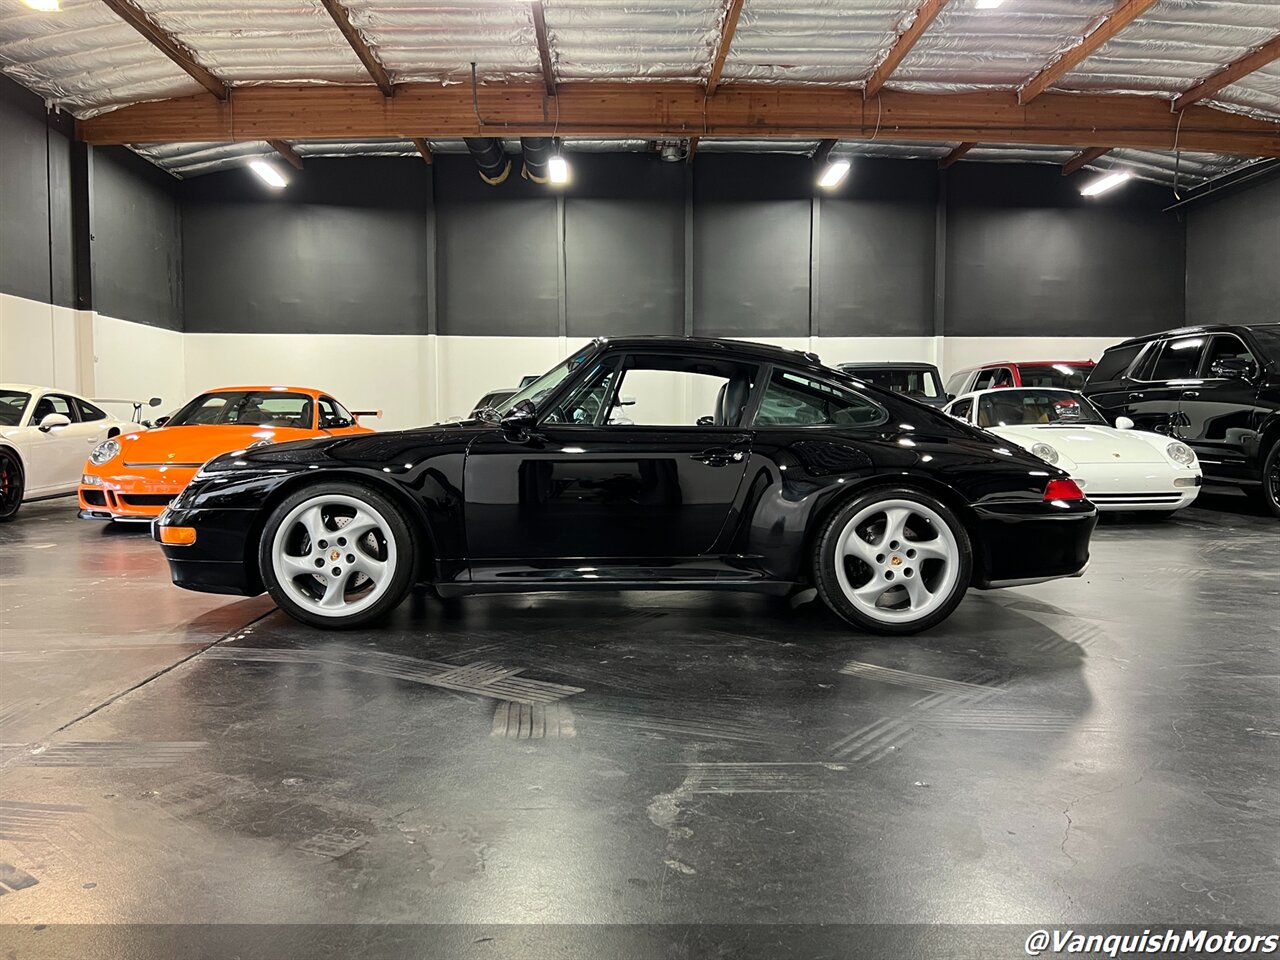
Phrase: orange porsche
x=133 y=477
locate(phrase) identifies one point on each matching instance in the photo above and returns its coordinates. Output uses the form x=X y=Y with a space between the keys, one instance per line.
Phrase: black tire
x=12 y=485
x=395 y=536
x=951 y=588
x=1270 y=492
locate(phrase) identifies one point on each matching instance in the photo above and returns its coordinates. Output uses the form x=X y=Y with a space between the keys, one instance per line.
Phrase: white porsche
x=45 y=436
x=1119 y=468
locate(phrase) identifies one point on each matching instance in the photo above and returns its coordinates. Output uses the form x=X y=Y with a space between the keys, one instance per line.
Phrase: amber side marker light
x=1060 y=490
x=178 y=536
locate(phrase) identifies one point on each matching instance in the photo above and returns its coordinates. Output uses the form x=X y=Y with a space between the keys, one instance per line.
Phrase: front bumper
x=224 y=557
x=130 y=497
x=1139 y=487
x=1031 y=542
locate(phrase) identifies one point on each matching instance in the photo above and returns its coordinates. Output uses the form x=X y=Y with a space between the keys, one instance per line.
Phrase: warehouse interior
x=195 y=195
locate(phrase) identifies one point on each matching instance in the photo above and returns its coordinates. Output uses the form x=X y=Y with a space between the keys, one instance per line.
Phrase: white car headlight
x=104 y=451
x=1045 y=452
x=1180 y=453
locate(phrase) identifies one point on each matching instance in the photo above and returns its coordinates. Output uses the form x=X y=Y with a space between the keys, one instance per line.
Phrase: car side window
x=955 y=383
x=1114 y=363
x=795 y=399
x=994 y=377
x=88 y=412
x=53 y=403
x=333 y=416
x=661 y=390
x=1226 y=346
x=1177 y=359
x=961 y=409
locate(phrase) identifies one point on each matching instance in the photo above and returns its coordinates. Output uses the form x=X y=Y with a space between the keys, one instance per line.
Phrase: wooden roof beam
x=361 y=47
x=731 y=14
x=925 y=15
x=286 y=151
x=1125 y=13
x=956 y=154
x=675 y=111
x=424 y=149
x=1083 y=159
x=544 y=46
x=169 y=45
x=1265 y=54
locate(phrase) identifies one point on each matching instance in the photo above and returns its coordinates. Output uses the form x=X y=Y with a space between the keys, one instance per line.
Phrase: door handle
x=1191 y=393
x=718 y=457
x=1135 y=396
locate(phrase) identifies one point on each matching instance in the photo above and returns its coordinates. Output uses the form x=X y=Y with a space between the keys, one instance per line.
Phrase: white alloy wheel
x=334 y=555
x=897 y=561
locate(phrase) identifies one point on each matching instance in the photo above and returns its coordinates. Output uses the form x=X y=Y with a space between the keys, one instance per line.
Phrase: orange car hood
x=198 y=443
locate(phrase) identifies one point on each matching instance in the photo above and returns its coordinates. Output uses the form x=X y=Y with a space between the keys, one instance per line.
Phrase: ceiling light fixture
x=270 y=175
x=1103 y=184
x=987 y=4
x=833 y=174
x=558 y=167
x=44 y=6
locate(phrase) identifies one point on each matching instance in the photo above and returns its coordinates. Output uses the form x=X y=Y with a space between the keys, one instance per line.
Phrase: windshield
x=1268 y=338
x=1064 y=376
x=913 y=383
x=538 y=390
x=258 y=408
x=1017 y=408
x=12 y=403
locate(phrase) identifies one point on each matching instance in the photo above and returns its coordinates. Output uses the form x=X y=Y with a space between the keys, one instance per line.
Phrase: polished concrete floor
x=1102 y=751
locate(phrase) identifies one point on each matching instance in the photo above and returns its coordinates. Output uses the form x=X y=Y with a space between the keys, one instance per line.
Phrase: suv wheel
x=1271 y=479
x=893 y=560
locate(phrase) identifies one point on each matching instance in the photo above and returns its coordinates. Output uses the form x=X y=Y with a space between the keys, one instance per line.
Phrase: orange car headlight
x=178 y=536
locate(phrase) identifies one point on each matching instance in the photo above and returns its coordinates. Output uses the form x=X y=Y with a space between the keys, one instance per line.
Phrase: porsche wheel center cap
x=335 y=555
x=896 y=561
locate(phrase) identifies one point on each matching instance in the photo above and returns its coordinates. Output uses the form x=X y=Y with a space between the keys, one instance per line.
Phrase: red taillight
x=1063 y=490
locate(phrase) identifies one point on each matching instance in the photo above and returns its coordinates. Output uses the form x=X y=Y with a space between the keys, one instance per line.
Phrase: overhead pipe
x=537 y=157
x=490 y=157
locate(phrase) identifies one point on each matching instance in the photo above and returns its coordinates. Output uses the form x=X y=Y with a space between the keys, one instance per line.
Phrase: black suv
x=1216 y=387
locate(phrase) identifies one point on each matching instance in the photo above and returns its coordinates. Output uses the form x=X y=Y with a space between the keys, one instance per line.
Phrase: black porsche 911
x=641 y=463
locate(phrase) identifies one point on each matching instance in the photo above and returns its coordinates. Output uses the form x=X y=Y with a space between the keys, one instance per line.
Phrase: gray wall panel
x=342 y=249
x=1028 y=256
x=497 y=253
x=876 y=252
x=1233 y=257
x=36 y=259
x=137 y=240
x=624 y=247
x=751 y=224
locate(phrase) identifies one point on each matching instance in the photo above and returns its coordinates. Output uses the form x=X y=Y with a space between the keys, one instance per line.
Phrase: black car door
x=1219 y=417
x=1155 y=395
x=638 y=461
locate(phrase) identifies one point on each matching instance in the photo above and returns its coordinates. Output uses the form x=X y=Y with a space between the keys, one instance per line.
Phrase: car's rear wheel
x=12 y=485
x=893 y=560
x=337 y=555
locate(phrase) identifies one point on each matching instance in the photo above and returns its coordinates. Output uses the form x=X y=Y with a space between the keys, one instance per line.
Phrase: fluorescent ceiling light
x=987 y=4
x=1103 y=184
x=44 y=6
x=558 y=167
x=269 y=174
x=834 y=174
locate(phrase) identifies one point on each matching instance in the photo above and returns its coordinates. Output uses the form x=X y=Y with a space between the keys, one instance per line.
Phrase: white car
x=45 y=437
x=1119 y=468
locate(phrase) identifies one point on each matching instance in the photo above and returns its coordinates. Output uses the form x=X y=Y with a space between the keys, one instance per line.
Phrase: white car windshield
x=1019 y=408
x=12 y=403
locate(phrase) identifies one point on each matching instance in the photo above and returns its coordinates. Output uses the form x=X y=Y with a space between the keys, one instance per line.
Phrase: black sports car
x=736 y=465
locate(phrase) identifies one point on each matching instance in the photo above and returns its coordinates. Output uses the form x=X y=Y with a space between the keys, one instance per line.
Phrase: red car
x=1037 y=374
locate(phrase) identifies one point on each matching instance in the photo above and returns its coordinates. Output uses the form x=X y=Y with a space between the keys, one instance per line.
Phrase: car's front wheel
x=337 y=555
x=893 y=560
x=1271 y=480
x=12 y=485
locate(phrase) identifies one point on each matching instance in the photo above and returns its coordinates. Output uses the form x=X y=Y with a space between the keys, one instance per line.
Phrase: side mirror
x=1124 y=423
x=1230 y=368
x=54 y=421
x=161 y=421
x=950 y=397
x=520 y=416
x=706 y=421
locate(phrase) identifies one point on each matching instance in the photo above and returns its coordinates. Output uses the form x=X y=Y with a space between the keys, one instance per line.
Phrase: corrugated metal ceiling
x=86 y=60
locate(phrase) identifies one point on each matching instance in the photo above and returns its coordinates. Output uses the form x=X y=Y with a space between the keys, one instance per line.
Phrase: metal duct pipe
x=537 y=154
x=489 y=156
